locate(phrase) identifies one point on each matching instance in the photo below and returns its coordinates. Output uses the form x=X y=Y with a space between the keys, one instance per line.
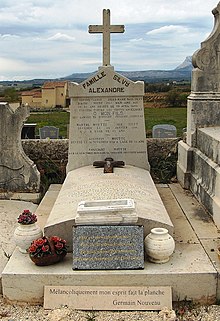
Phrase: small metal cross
x=106 y=29
x=108 y=164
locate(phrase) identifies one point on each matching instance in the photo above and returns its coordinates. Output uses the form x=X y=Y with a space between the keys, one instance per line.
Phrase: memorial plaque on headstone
x=164 y=131
x=108 y=247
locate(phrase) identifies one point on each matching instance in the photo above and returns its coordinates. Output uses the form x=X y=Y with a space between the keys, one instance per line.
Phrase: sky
x=50 y=39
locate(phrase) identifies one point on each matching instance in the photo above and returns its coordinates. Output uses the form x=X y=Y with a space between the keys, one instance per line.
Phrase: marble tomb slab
x=89 y=183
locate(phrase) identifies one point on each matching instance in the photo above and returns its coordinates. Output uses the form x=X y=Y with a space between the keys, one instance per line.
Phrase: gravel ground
x=188 y=313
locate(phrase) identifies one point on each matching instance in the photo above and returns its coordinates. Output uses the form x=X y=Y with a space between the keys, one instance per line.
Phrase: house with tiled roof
x=52 y=94
x=32 y=98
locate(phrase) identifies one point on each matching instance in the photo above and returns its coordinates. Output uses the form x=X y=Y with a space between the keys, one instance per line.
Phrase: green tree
x=174 y=98
x=11 y=95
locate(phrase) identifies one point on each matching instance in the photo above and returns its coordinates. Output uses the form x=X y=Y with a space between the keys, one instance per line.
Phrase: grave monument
x=120 y=192
x=198 y=166
x=107 y=128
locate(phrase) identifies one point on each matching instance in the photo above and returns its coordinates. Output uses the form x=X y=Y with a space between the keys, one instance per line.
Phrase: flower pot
x=159 y=245
x=47 y=250
x=25 y=234
x=48 y=259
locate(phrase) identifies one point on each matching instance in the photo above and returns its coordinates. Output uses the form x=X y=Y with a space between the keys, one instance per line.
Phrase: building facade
x=52 y=94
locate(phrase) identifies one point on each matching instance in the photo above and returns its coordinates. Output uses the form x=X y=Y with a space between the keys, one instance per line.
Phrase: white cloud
x=136 y=40
x=61 y=37
x=159 y=34
x=8 y=36
x=168 y=29
x=9 y=65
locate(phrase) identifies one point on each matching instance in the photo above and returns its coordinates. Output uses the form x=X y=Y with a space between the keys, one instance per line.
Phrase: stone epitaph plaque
x=108 y=297
x=108 y=247
x=107 y=120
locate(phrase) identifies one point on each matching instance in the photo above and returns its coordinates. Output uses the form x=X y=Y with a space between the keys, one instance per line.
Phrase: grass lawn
x=153 y=116
x=57 y=119
x=172 y=116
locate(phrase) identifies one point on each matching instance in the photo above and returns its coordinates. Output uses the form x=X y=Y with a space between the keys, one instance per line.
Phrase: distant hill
x=186 y=65
x=181 y=72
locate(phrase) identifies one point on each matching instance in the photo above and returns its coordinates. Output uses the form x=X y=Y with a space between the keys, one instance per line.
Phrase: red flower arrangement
x=26 y=217
x=47 y=250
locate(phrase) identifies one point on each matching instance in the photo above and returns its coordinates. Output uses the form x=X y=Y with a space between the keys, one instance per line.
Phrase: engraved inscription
x=107 y=120
x=108 y=298
x=108 y=125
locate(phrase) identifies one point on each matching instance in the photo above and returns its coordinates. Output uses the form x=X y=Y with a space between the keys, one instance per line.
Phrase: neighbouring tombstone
x=198 y=158
x=108 y=247
x=164 y=131
x=49 y=132
x=28 y=131
x=17 y=172
x=203 y=102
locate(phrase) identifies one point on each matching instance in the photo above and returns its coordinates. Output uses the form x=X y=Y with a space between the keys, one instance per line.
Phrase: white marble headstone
x=107 y=120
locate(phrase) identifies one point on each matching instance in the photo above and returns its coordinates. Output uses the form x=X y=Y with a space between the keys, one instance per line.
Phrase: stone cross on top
x=106 y=28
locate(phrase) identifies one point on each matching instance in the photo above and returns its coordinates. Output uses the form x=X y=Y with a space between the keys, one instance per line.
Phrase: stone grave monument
x=107 y=129
x=49 y=132
x=108 y=187
x=164 y=131
x=18 y=174
x=198 y=160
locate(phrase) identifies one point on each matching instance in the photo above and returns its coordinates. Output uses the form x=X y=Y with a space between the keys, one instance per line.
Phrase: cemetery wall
x=51 y=157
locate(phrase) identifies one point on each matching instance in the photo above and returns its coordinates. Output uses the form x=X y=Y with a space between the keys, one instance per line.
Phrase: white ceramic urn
x=159 y=245
x=24 y=235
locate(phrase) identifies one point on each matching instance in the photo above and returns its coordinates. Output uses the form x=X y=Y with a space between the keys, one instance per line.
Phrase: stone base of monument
x=192 y=271
x=198 y=169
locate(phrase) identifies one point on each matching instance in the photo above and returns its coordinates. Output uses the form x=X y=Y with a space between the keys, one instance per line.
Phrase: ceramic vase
x=159 y=245
x=25 y=234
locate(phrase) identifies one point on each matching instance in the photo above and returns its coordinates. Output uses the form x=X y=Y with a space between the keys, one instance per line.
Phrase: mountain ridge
x=181 y=72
